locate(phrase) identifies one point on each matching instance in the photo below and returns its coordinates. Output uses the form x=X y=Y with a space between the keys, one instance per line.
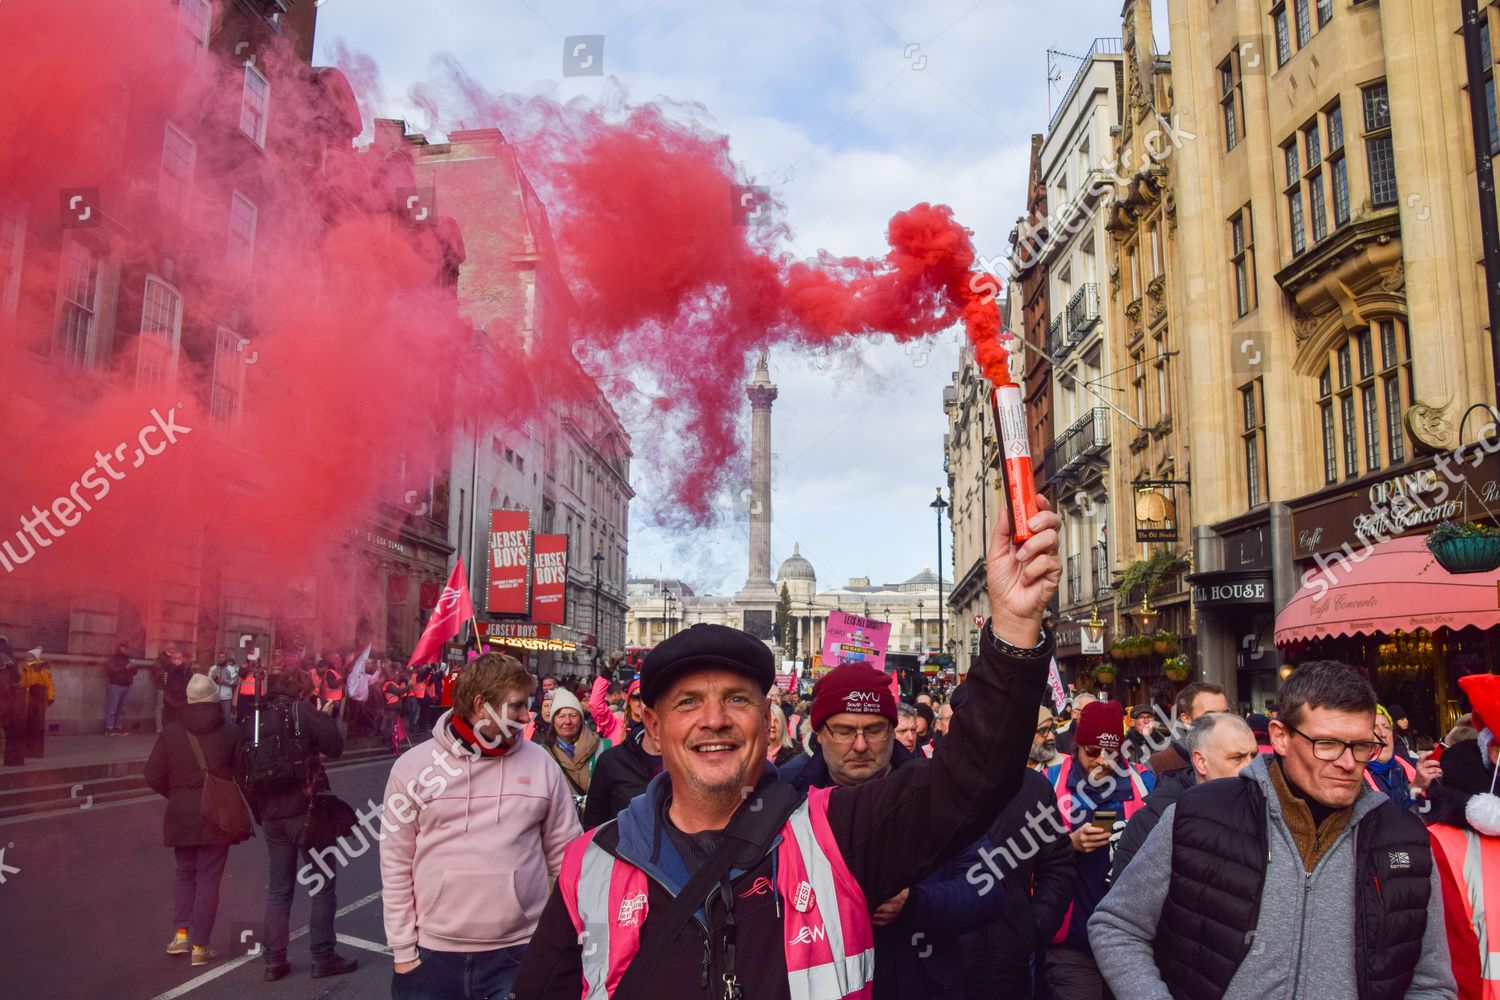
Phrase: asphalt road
x=86 y=910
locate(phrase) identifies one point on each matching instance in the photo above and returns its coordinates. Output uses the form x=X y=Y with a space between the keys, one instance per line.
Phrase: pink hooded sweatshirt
x=611 y=724
x=471 y=845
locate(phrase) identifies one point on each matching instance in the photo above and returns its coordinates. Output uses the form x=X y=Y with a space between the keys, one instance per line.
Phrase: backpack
x=275 y=758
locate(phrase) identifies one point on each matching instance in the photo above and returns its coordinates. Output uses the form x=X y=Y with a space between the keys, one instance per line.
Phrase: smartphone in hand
x=1104 y=819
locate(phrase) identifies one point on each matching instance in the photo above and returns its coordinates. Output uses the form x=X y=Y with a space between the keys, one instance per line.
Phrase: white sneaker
x=179 y=944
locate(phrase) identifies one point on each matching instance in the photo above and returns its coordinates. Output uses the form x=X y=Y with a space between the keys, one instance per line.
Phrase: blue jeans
x=114 y=706
x=287 y=859
x=196 y=900
x=455 y=975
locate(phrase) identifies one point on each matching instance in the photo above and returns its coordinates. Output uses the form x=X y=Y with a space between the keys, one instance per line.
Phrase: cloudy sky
x=855 y=109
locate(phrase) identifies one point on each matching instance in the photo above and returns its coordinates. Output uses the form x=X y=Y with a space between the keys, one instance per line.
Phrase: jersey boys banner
x=510 y=563
x=549 y=575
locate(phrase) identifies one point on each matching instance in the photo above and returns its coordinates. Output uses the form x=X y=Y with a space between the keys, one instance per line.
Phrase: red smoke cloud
x=357 y=367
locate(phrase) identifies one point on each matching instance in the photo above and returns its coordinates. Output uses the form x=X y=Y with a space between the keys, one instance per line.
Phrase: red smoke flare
x=362 y=369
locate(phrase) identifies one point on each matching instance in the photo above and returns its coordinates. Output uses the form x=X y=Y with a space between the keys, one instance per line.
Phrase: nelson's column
x=757 y=598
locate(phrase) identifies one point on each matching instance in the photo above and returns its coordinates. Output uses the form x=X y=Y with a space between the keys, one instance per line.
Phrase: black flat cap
x=706 y=647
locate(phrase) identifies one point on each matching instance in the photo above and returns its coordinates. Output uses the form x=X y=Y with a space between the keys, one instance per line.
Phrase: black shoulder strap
x=755 y=825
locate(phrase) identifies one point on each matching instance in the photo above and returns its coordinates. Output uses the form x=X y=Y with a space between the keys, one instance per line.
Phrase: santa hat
x=1101 y=725
x=856 y=688
x=1483 y=692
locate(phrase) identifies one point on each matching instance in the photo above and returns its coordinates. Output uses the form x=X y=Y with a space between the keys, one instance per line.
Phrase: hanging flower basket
x=1117 y=651
x=1164 y=643
x=1177 y=669
x=1104 y=674
x=1465 y=548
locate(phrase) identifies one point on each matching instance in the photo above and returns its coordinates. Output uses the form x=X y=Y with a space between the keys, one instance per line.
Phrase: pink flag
x=454 y=607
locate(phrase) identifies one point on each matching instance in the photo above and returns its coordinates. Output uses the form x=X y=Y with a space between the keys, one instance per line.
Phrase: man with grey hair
x=1219 y=745
x=906 y=726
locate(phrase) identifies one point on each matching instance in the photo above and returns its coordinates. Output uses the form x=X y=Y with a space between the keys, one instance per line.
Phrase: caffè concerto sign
x=1380 y=508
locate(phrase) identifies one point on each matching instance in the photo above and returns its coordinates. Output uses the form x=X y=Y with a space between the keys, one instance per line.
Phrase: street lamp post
x=940 y=505
x=598 y=643
x=918 y=628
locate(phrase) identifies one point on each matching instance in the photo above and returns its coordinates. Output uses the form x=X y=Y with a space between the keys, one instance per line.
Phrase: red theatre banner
x=510 y=563
x=549 y=588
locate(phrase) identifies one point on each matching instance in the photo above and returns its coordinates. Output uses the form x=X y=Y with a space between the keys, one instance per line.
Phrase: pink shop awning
x=1398 y=585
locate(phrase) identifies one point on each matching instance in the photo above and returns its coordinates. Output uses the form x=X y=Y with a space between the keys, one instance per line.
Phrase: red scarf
x=467 y=738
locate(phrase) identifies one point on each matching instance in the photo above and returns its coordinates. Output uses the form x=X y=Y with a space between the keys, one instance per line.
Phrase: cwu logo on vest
x=632 y=910
x=808 y=934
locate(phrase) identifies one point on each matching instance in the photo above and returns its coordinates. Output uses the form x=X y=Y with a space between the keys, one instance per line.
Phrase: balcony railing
x=1101 y=46
x=1057 y=337
x=1099 y=568
x=1075 y=585
x=1083 y=312
x=1087 y=438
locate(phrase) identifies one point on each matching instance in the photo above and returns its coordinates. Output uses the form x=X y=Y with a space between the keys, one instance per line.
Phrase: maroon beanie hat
x=853 y=687
x=1101 y=725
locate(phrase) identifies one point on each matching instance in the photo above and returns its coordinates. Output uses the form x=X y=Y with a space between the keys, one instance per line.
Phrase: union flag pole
x=453 y=606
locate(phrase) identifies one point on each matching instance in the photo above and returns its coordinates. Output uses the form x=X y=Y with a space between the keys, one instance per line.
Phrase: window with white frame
x=161 y=332
x=193 y=20
x=227 y=394
x=242 y=219
x=174 y=186
x=79 y=316
x=255 y=102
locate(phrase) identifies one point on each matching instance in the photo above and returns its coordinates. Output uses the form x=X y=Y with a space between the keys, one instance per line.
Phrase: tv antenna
x=1055 y=79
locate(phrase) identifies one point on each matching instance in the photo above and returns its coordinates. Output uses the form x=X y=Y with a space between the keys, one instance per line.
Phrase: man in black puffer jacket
x=173 y=771
x=620 y=774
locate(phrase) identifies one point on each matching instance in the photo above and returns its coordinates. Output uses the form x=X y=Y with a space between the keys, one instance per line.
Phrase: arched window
x=1363 y=391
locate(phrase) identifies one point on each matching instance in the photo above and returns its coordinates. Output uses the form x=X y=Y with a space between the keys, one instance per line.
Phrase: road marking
x=230 y=966
x=355 y=942
x=150 y=796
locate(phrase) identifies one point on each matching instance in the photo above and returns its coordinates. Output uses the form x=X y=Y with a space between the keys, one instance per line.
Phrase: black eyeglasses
x=1329 y=750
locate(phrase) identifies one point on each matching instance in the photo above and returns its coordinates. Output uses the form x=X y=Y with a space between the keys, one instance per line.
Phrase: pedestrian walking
x=12 y=707
x=721 y=881
x=119 y=674
x=1219 y=745
x=574 y=746
x=917 y=929
x=225 y=673
x=175 y=677
x=1464 y=824
x=199 y=741
x=1391 y=773
x=37 y=695
x=282 y=770
x=1034 y=862
x=476 y=820
x=1140 y=741
x=620 y=774
x=1098 y=793
x=1294 y=879
x=1194 y=700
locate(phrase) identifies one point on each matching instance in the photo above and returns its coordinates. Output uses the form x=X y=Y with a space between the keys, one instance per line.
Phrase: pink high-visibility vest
x=1474 y=863
x=1406 y=768
x=827 y=936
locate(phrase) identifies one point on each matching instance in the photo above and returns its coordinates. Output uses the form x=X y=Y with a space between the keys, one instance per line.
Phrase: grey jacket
x=1304 y=941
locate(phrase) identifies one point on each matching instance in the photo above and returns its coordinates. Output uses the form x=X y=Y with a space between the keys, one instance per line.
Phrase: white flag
x=1059 y=696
